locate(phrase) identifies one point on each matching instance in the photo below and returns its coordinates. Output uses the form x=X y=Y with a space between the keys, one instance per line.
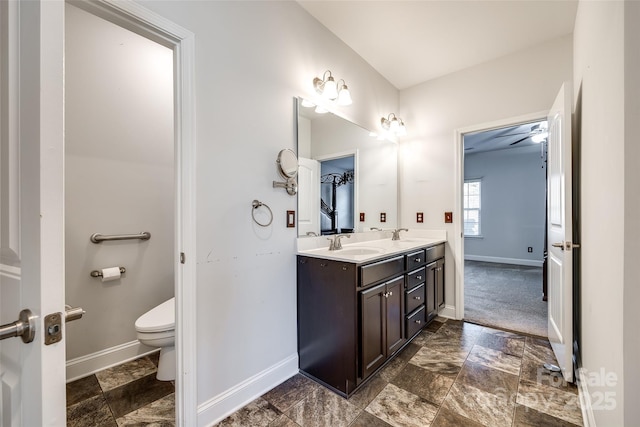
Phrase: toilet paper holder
x=98 y=273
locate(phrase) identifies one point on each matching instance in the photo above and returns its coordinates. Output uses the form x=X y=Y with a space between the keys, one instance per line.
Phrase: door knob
x=24 y=327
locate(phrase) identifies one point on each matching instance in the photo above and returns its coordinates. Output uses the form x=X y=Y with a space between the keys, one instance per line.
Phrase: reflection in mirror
x=343 y=172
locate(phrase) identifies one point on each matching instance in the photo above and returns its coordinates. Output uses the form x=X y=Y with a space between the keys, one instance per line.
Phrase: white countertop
x=369 y=246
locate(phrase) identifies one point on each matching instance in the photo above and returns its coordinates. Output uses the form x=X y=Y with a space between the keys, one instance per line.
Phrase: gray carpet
x=505 y=296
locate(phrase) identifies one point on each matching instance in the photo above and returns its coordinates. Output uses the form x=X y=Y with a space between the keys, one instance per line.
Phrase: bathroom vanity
x=358 y=306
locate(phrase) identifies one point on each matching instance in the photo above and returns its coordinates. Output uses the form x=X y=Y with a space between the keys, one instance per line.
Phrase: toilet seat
x=158 y=319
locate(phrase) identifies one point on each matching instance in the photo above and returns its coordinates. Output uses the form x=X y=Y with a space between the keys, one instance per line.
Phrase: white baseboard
x=515 y=261
x=449 y=311
x=221 y=406
x=84 y=366
x=588 y=419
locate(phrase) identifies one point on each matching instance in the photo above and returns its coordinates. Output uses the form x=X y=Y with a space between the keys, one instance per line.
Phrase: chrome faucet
x=336 y=244
x=396 y=233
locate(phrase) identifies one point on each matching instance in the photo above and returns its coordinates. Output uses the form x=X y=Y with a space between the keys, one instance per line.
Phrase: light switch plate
x=448 y=217
x=291 y=219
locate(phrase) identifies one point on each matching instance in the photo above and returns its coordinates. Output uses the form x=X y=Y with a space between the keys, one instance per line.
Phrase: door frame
x=458 y=238
x=146 y=23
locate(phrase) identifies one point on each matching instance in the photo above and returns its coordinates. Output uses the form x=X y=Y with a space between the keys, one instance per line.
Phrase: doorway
x=337 y=195
x=504 y=216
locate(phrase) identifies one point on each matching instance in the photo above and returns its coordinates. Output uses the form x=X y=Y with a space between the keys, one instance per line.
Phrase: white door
x=32 y=375
x=559 y=237
x=308 y=196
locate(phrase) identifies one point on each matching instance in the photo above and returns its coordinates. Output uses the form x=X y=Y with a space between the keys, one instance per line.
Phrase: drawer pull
x=418 y=322
x=419 y=277
x=416 y=298
x=417 y=260
x=390 y=293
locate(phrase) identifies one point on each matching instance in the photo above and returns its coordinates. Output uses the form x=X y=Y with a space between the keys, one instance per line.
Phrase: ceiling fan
x=538 y=133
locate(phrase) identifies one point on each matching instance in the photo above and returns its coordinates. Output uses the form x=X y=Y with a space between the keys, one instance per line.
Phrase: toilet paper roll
x=111 y=273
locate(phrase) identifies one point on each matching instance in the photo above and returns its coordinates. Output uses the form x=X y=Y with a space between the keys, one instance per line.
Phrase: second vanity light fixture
x=393 y=125
x=332 y=91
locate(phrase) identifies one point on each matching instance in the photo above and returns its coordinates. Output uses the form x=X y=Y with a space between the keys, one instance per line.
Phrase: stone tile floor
x=125 y=395
x=452 y=374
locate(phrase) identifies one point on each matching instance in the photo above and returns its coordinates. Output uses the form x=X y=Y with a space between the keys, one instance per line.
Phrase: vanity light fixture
x=393 y=125
x=330 y=90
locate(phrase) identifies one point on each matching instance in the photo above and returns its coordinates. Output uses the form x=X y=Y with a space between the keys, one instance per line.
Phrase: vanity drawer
x=435 y=252
x=414 y=298
x=415 y=322
x=415 y=259
x=416 y=277
x=381 y=270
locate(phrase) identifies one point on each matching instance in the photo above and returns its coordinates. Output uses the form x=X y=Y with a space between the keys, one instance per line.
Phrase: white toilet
x=156 y=328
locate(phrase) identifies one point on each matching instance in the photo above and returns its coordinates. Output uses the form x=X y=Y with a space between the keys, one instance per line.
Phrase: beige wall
x=119 y=178
x=523 y=83
x=599 y=78
x=252 y=58
x=632 y=213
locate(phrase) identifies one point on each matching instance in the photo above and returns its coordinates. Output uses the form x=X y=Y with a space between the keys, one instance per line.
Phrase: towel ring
x=256 y=204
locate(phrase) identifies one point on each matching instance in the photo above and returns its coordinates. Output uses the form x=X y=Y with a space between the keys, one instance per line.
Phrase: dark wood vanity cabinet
x=353 y=318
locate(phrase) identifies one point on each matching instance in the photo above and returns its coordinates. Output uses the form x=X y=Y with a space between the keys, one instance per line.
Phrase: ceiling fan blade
x=511 y=134
x=520 y=140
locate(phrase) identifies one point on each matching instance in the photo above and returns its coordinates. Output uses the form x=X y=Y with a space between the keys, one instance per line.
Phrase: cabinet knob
x=416 y=298
x=417 y=260
x=418 y=322
x=419 y=277
x=390 y=293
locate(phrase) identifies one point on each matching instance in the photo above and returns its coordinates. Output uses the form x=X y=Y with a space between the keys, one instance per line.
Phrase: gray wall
x=119 y=178
x=512 y=205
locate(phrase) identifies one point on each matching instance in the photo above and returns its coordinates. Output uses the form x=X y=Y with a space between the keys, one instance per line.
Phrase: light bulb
x=344 y=97
x=306 y=103
x=321 y=110
x=330 y=90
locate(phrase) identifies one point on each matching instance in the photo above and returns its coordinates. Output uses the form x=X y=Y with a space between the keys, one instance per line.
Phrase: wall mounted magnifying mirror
x=287 y=162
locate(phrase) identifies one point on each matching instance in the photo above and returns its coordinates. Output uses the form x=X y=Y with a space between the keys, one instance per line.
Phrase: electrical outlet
x=420 y=217
x=529 y=249
x=383 y=217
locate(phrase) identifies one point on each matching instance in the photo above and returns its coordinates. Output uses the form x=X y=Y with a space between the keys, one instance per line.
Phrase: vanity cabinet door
x=431 y=290
x=372 y=306
x=394 y=315
x=440 y=283
x=382 y=309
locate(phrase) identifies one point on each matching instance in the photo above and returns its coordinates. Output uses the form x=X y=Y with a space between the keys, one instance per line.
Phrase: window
x=472 y=207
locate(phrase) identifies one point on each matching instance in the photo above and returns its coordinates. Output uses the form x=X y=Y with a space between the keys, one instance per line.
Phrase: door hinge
x=182 y=258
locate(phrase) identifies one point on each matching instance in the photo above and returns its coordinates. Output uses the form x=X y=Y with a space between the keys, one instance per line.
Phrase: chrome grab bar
x=97 y=237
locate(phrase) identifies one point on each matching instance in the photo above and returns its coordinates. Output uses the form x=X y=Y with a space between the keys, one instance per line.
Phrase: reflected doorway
x=337 y=195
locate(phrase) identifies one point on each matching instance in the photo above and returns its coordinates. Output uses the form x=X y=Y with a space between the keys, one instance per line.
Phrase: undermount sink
x=359 y=251
x=412 y=240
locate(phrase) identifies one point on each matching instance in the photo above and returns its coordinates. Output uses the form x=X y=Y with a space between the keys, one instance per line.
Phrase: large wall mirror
x=347 y=178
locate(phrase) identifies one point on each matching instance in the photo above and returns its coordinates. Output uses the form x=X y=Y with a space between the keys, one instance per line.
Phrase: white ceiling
x=410 y=42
